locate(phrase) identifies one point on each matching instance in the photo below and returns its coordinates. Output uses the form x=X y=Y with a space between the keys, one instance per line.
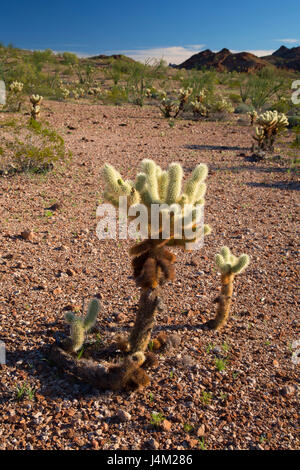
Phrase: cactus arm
x=91 y=316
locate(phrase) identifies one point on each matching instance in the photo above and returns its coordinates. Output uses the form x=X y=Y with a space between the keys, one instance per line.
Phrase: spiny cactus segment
x=35 y=100
x=227 y=263
x=79 y=326
x=270 y=125
x=16 y=87
x=229 y=266
x=253 y=115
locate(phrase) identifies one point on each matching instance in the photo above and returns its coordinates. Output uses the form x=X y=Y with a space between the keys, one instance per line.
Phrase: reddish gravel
x=252 y=207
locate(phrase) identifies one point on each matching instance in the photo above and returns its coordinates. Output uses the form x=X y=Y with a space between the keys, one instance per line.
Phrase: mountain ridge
x=225 y=60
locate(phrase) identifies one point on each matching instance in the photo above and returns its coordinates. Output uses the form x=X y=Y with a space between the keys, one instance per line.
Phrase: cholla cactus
x=184 y=95
x=95 y=90
x=222 y=105
x=229 y=267
x=64 y=91
x=152 y=262
x=16 y=87
x=35 y=100
x=168 y=107
x=271 y=124
x=199 y=109
x=15 y=97
x=79 y=326
x=253 y=115
x=148 y=92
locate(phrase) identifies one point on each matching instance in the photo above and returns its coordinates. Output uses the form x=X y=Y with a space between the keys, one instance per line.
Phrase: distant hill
x=225 y=60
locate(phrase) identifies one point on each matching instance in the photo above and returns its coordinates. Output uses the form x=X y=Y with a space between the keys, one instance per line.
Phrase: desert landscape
x=208 y=386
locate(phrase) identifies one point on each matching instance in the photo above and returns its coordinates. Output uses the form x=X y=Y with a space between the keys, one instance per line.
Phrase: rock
x=201 y=430
x=28 y=235
x=287 y=391
x=152 y=444
x=166 y=425
x=123 y=416
x=70 y=272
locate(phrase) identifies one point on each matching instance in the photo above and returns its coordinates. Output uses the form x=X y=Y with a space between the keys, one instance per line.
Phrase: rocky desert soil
x=234 y=389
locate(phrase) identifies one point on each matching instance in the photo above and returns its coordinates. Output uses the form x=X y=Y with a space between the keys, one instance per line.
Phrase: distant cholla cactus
x=271 y=125
x=199 y=109
x=16 y=87
x=64 y=91
x=201 y=96
x=253 y=115
x=183 y=97
x=162 y=94
x=222 y=105
x=168 y=107
x=35 y=100
x=229 y=267
x=148 y=92
x=96 y=90
x=79 y=326
x=184 y=94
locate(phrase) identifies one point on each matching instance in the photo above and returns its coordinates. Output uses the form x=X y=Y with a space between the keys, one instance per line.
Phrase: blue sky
x=171 y=29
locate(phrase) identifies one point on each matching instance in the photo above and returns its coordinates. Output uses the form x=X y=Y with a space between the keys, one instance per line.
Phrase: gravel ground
x=253 y=403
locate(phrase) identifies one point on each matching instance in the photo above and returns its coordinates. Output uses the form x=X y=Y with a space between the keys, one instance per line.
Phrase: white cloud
x=287 y=41
x=173 y=55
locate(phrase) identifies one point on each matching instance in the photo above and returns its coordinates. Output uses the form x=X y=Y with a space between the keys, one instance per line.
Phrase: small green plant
x=156 y=418
x=202 y=444
x=206 y=397
x=221 y=364
x=23 y=391
x=188 y=427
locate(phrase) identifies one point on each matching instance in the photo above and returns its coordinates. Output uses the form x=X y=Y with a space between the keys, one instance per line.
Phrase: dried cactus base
x=128 y=374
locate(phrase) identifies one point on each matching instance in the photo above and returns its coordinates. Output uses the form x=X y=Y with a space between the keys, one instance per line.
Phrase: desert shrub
x=242 y=108
x=69 y=58
x=282 y=106
x=236 y=99
x=262 y=87
x=296 y=142
x=140 y=77
x=200 y=80
x=30 y=146
x=116 y=95
x=294 y=121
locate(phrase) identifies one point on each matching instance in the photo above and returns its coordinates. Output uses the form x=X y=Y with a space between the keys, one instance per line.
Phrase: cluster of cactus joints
x=79 y=326
x=253 y=115
x=229 y=267
x=35 y=100
x=271 y=124
x=152 y=262
x=16 y=87
x=184 y=95
x=169 y=108
x=156 y=186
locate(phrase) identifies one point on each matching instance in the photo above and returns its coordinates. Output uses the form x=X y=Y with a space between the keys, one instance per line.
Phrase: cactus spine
x=229 y=266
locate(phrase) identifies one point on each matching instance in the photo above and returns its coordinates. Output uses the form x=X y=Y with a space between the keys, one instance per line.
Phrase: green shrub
x=294 y=121
x=242 y=108
x=235 y=98
x=30 y=146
